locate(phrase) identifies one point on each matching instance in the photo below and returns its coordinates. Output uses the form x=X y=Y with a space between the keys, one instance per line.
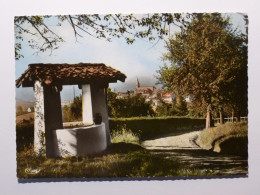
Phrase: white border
x=8 y=180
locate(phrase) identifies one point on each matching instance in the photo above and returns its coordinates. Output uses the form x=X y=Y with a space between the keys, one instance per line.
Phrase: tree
x=163 y=109
x=19 y=110
x=177 y=108
x=206 y=59
x=131 y=106
x=112 y=103
x=43 y=37
x=67 y=115
x=180 y=106
x=76 y=107
x=73 y=112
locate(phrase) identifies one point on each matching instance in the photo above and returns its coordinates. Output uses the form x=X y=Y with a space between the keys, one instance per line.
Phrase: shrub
x=124 y=135
x=24 y=135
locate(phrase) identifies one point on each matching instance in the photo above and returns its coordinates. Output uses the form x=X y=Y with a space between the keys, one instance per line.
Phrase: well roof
x=69 y=74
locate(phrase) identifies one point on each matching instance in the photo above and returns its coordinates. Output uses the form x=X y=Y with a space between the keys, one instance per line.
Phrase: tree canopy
x=43 y=37
x=208 y=62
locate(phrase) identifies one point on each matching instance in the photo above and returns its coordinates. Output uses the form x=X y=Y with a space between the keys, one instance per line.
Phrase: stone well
x=49 y=133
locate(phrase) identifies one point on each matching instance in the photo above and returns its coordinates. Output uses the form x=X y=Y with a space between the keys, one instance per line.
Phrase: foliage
x=73 y=112
x=124 y=135
x=19 y=110
x=151 y=127
x=178 y=107
x=67 y=115
x=208 y=62
x=213 y=137
x=132 y=106
x=119 y=160
x=43 y=36
x=163 y=109
x=24 y=134
x=76 y=107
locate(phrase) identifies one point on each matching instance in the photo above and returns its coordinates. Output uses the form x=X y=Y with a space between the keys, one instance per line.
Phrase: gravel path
x=184 y=147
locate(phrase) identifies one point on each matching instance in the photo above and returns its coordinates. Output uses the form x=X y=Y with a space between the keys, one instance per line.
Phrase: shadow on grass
x=222 y=164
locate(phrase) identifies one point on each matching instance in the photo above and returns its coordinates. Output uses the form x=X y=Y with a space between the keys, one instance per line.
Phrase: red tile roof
x=146 y=88
x=69 y=74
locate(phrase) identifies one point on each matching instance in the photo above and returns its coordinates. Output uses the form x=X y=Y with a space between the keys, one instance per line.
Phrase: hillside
x=27 y=116
x=25 y=105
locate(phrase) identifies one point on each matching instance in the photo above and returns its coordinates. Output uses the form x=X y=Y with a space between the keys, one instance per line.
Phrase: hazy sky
x=141 y=59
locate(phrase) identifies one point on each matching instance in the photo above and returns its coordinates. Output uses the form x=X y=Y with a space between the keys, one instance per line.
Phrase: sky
x=141 y=59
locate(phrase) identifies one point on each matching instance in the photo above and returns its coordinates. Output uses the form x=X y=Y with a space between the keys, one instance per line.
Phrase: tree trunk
x=221 y=118
x=238 y=116
x=209 y=121
x=233 y=114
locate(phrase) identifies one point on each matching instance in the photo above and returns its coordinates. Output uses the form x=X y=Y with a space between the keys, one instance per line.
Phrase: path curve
x=183 y=141
x=185 y=148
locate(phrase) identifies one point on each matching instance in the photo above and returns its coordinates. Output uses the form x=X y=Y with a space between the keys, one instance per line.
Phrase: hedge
x=24 y=135
x=150 y=127
x=144 y=127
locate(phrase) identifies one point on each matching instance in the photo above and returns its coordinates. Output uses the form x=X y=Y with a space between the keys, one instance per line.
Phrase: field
x=21 y=118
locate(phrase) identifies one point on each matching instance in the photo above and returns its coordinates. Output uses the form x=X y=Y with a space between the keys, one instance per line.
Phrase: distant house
x=124 y=94
x=150 y=93
x=155 y=102
x=167 y=97
x=66 y=103
x=30 y=109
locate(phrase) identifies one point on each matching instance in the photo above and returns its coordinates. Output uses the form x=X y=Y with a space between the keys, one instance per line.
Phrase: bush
x=124 y=135
x=150 y=127
x=24 y=135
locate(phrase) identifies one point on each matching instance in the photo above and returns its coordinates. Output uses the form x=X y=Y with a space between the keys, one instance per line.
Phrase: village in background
x=155 y=97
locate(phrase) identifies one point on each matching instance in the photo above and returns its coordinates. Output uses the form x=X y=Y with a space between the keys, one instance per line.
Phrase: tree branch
x=36 y=28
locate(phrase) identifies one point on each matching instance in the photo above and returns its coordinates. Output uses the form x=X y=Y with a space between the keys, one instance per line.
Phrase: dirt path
x=183 y=141
x=184 y=147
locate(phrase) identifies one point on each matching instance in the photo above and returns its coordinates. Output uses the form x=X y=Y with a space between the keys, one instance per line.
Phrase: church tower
x=137 y=85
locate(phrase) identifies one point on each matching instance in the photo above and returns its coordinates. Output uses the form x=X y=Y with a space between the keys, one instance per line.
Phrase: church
x=150 y=93
x=144 y=90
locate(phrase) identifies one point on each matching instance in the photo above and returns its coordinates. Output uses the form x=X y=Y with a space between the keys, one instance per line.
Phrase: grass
x=124 y=158
x=124 y=135
x=213 y=138
x=119 y=160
